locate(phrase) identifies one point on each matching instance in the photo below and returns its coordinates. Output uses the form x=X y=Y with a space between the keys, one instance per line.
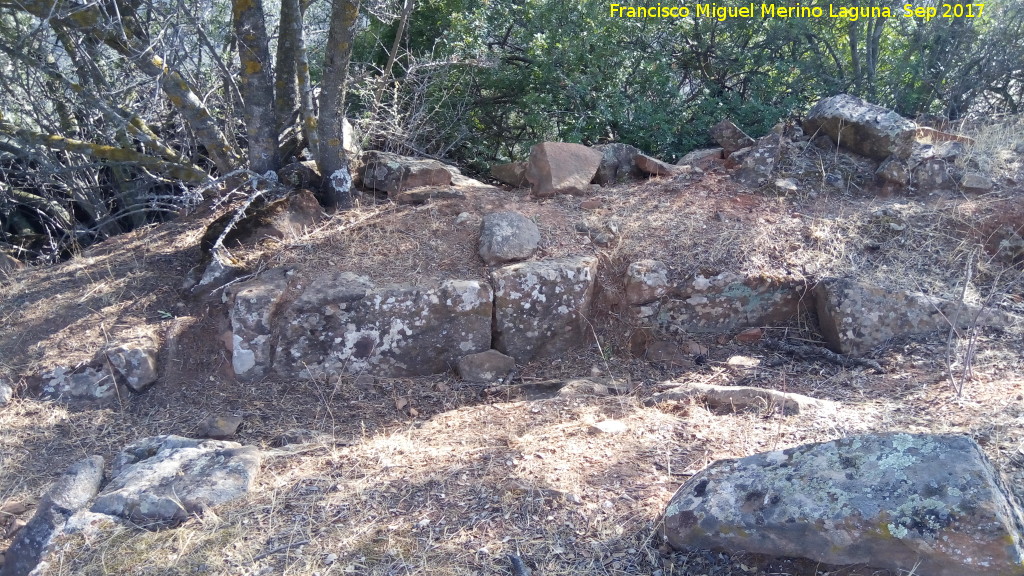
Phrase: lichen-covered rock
x=70 y=493
x=162 y=480
x=855 y=317
x=703 y=158
x=976 y=182
x=864 y=128
x=759 y=164
x=932 y=503
x=513 y=174
x=85 y=387
x=135 y=364
x=730 y=137
x=561 y=168
x=646 y=281
x=6 y=391
x=486 y=366
x=392 y=173
x=254 y=310
x=341 y=323
x=617 y=163
x=894 y=170
x=507 y=236
x=727 y=301
x=540 y=308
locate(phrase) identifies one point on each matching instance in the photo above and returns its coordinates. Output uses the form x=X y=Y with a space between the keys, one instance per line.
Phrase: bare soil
x=433 y=476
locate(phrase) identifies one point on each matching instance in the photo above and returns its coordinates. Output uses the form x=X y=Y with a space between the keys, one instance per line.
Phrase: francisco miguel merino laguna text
x=851 y=13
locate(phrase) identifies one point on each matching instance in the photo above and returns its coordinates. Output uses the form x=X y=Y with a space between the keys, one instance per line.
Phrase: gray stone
x=135 y=364
x=341 y=323
x=759 y=164
x=540 y=308
x=730 y=137
x=301 y=175
x=513 y=174
x=856 y=317
x=90 y=526
x=976 y=182
x=254 y=310
x=162 y=480
x=486 y=366
x=728 y=301
x=425 y=193
x=220 y=270
x=85 y=387
x=864 y=128
x=219 y=426
x=617 y=163
x=737 y=398
x=507 y=237
x=392 y=173
x=931 y=504
x=703 y=158
x=646 y=281
x=894 y=170
x=932 y=175
x=70 y=493
x=6 y=391
x=561 y=168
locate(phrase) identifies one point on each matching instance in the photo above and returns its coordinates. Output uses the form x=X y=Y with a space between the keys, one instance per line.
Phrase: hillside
x=418 y=475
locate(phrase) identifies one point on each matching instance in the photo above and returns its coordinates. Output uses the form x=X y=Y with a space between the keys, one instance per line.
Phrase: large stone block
x=541 y=307
x=867 y=129
x=561 y=168
x=618 y=163
x=855 y=317
x=341 y=323
x=253 y=317
x=931 y=504
x=730 y=137
x=392 y=173
x=728 y=301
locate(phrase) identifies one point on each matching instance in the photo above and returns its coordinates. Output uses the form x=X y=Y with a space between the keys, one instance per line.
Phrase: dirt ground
x=434 y=476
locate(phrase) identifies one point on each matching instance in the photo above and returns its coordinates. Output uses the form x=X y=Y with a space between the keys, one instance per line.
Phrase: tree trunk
x=286 y=86
x=333 y=161
x=306 y=89
x=257 y=84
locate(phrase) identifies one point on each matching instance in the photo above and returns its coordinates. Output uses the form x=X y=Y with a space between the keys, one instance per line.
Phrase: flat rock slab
x=653 y=166
x=393 y=173
x=739 y=398
x=541 y=307
x=726 y=302
x=893 y=501
x=513 y=174
x=69 y=494
x=856 y=317
x=342 y=323
x=85 y=387
x=162 y=480
x=867 y=129
x=561 y=168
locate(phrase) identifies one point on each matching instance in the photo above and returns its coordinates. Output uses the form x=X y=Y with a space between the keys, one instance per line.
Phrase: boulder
x=653 y=166
x=760 y=162
x=894 y=170
x=617 y=163
x=253 y=315
x=513 y=174
x=301 y=175
x=135 y=364
x=726 y=302
x=540 y=308
x=220 y=426
x=392 y=173
x=162 y=480
x=730 y=137
x=976 y=182
x=69 y=494
x=855 y=317
x=84 y=387
x=927 y=504
x=343 y=323
x=561 y=168
x=703 y=158
x=864 y=128
x=507 y=237
x=646 y=281
x=486 y=366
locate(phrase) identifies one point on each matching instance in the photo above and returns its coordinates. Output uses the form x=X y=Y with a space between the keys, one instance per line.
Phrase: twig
x=958 y=388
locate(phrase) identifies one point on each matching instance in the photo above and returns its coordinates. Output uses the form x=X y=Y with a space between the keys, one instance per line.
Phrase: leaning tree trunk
x=286 y=86
x=257 y=84
x=333 y=161
x=309 y=128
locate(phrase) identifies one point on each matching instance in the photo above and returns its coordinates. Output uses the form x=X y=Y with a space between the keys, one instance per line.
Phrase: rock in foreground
x=892 y=501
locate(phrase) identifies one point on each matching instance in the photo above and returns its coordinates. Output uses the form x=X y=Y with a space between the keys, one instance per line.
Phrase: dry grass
x=474 y=478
